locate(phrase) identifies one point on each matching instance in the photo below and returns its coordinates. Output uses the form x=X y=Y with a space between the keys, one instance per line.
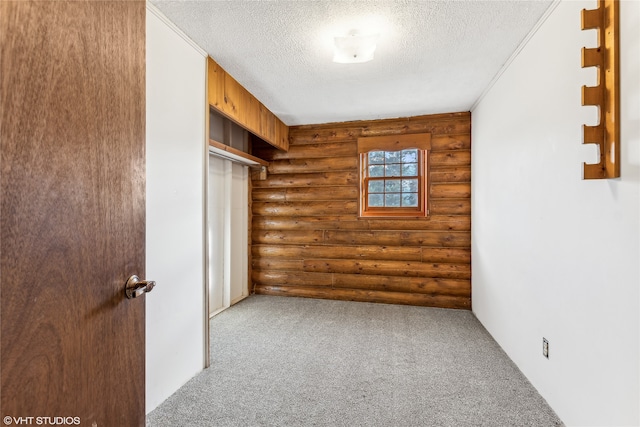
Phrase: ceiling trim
x=153 y=9
x=515 y=53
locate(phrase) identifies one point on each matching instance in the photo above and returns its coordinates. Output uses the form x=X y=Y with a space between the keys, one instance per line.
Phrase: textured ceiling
x=432 y=56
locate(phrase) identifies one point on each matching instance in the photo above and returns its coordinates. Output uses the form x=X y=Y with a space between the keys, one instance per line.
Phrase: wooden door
x=72 y=206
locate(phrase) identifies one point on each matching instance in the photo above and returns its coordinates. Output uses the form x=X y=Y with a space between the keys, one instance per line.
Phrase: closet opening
x=228 y=216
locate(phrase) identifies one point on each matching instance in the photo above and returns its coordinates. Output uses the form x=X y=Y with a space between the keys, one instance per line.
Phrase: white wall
x=176 y=107
x=555 y=256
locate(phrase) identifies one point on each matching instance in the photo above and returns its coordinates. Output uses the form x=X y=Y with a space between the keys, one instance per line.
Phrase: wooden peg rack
x=606 y=95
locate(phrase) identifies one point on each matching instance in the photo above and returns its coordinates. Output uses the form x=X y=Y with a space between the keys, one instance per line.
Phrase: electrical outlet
x=545 y=347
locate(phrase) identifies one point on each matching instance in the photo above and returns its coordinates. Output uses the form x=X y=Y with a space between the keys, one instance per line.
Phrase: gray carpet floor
x=279 y=361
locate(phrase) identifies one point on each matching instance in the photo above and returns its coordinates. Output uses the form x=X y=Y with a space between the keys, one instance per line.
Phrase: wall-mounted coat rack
x=606 y=95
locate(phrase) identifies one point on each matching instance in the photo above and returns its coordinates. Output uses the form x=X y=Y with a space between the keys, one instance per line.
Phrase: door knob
x=136 y=287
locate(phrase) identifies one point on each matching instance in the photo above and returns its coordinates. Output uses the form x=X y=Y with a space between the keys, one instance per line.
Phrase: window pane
x=410 y=156
x=409 y=185
x=410 y=169
x=392 y=186
x=392 y=170
x=392 y=200
x=376 y=186
x=377 y=170
x=376 y=200
x=410 y=200
x=376 y=157
x=393 y=156
x=394 y=181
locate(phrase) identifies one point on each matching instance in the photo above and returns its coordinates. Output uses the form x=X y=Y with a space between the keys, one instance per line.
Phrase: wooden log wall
x=308 y=241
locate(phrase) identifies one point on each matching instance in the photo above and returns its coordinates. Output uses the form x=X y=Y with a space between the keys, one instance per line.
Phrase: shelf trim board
x=233 y=154
x=606 y=94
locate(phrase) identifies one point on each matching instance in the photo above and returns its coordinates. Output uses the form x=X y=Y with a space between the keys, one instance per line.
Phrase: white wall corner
x=154 y=10
x=516 y=52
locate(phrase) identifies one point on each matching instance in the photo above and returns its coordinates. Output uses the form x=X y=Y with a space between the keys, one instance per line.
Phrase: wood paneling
x=215 y=77
x=294 y=166
x=452 y=174
x=387 y=268
x=433 y=222
x=233 y=101
x=306 y=193
x=399 y=238
x=309 y=179
x=440 y=159
x=313 y=151
x=457 y=190
x=306 y=208
x=307 y=238
x=365 y=295
x=413 y=253
x=451 y=206
x=282 y=135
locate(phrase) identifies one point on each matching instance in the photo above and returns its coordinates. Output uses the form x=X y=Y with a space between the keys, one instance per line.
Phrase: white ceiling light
x=354 y=47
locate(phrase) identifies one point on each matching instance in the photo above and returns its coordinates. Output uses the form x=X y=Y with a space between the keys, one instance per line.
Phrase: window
x=393 y=175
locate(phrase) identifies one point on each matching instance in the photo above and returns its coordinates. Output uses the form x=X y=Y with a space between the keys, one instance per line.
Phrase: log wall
x=308 y=241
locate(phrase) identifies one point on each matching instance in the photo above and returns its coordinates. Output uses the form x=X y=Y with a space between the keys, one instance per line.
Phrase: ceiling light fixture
x=354 y=47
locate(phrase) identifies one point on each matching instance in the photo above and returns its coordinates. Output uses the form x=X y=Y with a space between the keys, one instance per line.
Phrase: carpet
x=281 y=361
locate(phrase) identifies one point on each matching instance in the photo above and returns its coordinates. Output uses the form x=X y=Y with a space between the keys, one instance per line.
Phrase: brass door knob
x=136 y=287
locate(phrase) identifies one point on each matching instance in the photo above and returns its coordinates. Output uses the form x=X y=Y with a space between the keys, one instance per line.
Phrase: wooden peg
x=592 y=19
x=592 y=95
x=593 y=134
x=592 y=57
